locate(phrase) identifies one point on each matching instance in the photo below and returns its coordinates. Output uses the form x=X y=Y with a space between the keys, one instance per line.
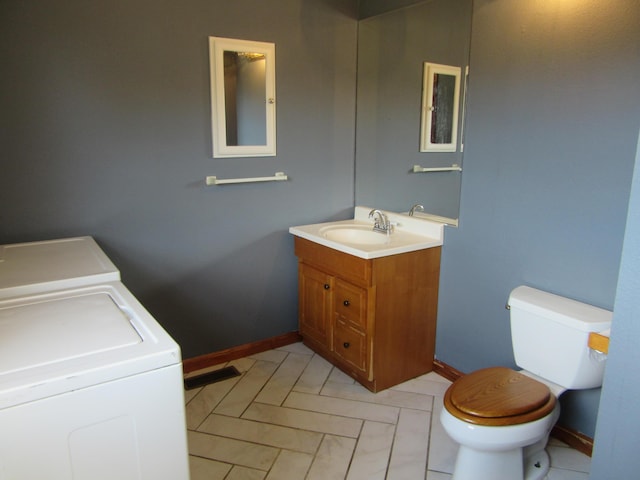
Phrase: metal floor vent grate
x=210 y=377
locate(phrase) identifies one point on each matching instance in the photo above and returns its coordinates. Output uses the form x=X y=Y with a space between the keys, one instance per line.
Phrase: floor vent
x=210 y=377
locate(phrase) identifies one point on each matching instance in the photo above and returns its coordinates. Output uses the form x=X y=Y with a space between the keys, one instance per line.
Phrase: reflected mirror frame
x=217 y=47
x=430 y=71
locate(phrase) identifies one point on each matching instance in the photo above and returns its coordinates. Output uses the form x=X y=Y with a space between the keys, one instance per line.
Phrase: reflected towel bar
x=453 y=168
x=278 y=177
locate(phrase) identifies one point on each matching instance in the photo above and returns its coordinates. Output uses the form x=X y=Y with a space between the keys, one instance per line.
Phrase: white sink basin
x=356 y=234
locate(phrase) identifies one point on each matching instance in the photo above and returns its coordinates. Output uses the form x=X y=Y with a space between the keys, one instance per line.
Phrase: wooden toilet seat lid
x=498 y=396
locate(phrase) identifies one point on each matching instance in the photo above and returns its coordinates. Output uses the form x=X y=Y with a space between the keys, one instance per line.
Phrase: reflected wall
x=392 y=49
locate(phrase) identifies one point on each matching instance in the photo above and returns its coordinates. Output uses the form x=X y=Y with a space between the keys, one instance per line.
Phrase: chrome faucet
x=416 y=208
x=380 y=222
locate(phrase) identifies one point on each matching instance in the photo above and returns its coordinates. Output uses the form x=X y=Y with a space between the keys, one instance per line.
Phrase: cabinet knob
x=346 y=303
x=346 y=344
x=327 y=286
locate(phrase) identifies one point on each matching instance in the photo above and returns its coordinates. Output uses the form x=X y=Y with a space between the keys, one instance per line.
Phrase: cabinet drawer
x=346 y=266
x=351 y=304
x=350 y=345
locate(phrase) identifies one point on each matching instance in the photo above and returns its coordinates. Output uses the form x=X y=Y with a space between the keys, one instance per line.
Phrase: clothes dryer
x=33 y=267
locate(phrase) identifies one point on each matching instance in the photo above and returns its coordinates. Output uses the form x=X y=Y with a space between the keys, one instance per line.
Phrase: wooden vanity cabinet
x=373 y=318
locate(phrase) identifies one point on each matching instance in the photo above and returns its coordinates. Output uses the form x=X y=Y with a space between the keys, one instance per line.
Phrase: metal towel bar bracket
x=278 y=177
x=453 y=168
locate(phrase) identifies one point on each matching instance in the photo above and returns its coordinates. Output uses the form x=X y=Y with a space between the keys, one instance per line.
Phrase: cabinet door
x=315 y=302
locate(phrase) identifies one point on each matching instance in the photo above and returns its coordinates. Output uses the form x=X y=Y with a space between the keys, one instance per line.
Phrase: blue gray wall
x=617 y=442
x=105 y=115
x=105 y=130
x=553 y=114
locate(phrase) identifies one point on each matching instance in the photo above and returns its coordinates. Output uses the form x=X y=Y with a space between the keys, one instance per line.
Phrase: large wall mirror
x=243 y=113
x=392 y=50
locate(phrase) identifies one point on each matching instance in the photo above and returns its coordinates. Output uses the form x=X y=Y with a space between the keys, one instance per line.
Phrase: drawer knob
x=346 y=303
x=326 y=286
x=346 y=344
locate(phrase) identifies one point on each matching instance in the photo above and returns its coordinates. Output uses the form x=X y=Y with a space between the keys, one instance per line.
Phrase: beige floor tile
x=206 y=469
x=410 y=446
x=242 y=364
x=283 y=380
x=431 y=475
x=273 y=356
x=329 y=426
x=264 y=433
x=442 y=450
x=314 y=376
x=246 y=389
x=244 y=473
x=305 y=420
x=342 y=407
x=391 y=398
x=189 y=394
x=372 y=452
x=298 y=347
x=206 y=400
x=569 y=459
x=231 y=451
x=339 y=376
x=429 y=384
x=332 y=460
x=560 y=474
x=290 y=466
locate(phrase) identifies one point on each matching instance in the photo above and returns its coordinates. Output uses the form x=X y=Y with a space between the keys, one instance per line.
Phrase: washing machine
x=90 y=384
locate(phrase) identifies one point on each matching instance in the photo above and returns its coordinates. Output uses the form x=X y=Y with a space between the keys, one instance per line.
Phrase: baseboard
x=446 y=371
x=204 y=361
x=574 y=439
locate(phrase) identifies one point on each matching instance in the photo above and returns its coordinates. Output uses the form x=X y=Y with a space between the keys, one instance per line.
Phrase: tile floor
x=291 y=415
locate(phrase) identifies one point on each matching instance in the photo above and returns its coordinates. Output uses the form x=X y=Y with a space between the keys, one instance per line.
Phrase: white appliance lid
x=57 y=342
x=33 y=267
x=45 y=332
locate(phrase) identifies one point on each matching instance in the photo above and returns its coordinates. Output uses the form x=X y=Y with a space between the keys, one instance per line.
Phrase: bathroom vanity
x=370 y=312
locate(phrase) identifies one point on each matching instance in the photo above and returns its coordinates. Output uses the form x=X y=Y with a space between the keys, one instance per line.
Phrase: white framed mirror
x=440 y=104
x=243 y=85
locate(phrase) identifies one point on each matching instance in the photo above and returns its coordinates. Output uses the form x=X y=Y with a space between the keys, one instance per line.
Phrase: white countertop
x=410 y=234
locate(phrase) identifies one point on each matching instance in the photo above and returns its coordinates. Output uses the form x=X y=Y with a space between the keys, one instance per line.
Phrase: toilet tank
x=549 y=334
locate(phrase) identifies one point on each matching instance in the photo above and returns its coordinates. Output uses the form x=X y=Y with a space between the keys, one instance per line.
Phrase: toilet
x=500 y=417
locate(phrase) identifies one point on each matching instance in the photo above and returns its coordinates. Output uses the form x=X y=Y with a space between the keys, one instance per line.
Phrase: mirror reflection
x=245 y=98
x=392 y=50
x=242 y=97
x=440 y=106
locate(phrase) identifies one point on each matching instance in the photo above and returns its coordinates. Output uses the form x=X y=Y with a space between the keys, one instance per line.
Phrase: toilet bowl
x=501 y=418
x=493 y=413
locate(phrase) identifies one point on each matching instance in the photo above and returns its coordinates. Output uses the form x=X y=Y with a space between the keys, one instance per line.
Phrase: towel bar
x=278 y=177
x=453 y=168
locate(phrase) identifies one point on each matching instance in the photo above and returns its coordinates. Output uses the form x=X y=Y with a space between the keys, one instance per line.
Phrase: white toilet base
x=537 y=466
x=474 y=465
x=505 y=465
x=513 y=452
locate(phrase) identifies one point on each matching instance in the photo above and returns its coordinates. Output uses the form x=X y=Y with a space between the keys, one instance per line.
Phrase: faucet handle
x=391 y=226
x=416 y=208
